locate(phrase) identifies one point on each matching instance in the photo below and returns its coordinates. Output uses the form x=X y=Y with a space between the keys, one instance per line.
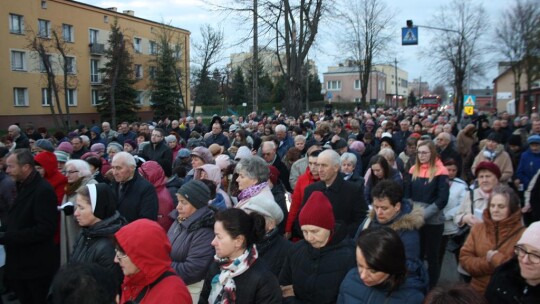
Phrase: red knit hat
x=491 y=167
x=317 y=212
x=274 y=174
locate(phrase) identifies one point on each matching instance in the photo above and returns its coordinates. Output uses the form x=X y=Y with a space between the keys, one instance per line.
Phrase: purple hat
x=65 y=147
x=99 y=147
x=132 y=143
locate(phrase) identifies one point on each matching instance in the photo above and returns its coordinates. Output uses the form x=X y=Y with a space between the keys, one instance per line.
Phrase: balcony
x=97 y=49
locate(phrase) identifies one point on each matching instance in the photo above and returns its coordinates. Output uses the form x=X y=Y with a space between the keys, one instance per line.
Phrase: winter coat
x=148 y=248
x=192 y=252
x=489 y=235
x=48 y=161
x=273 y=250
x=480 y=203
x=354 y=291
x=256 y=285
x=122 y=137
x=283 y=173
x=502 y=160
x=105 y=166
x=465 y=140
x=219 y=139
x=173 y=184
x=304 y=180
x=94 y=245
x=507 y=286
x=214 y=174
x=394 y=175
x=153 y=173
x=316 y=274
x=29 y=231
x=284 y=146
x=458 y=191
x=297 y=169
x=347 y=201
x=400 y=140
x=431 y=195
x=8 y=192
x=529 y=163
x=407 y=224
x=137 y=199
x=161 y=153
x=278 y=191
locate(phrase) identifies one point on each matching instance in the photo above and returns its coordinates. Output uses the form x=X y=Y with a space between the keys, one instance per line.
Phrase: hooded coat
x=153 y=173
x=48 y=161
x=214 y=174
x=147 y=246
x=304 y=180
x=507 y=286
x=529 y=163
x=489 y=235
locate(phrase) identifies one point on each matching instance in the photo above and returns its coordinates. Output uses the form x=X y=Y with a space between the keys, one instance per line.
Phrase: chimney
x=129 y=12
x=113 y=9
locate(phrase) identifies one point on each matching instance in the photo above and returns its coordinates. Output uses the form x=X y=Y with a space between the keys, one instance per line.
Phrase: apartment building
x=342 y=84
x=84 y=31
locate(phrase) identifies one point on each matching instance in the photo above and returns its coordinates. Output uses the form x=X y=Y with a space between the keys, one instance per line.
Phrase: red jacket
x=148 y=247
x=152 y=172
x=304 y=180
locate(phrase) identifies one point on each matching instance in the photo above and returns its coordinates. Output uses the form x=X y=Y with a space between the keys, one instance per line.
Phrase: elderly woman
x=491 y=243
x=253 y=174
x=494 y=152
x=331 y=252
x=348 y=164
x=300 y=144
x=78 y=175
x=191 y=236
x=112 y=149
x=199 y=156
x=172 y=142
x=213 y=173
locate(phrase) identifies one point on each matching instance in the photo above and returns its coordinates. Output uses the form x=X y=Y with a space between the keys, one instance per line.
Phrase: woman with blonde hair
x=429 y=189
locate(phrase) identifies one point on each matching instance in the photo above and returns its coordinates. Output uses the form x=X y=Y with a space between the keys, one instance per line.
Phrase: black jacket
x=316 y=274
x=137 y=199
x=273 y=250
x=347 y=201
x=278 y=191
x=94 y=245
x=507 y=286
x=29 y=231
x=256 y=285
x=283 y=173
x=160 y=153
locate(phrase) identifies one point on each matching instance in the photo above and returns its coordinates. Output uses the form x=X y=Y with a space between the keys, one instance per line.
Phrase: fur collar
x=407 y=219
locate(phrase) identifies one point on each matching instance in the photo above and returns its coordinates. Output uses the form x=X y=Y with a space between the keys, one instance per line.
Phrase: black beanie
x=102 y=200
x=514 y=140
x=196 y=193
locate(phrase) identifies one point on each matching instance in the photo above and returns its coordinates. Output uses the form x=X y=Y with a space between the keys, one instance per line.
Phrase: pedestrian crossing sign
x=409 y=35
x=469 y=100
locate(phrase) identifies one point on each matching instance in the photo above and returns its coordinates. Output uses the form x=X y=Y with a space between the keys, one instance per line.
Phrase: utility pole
x=255 y=63
x=396 y=80
x=307 y=84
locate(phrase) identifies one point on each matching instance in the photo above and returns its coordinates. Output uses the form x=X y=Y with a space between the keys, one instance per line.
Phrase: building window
x=139 y=99
x=44 y=28
x=70 y=65
x=334 y=85
x=105 y=19
x=44 y=4
x=20 y=97
x=18 y=61
x=357 y=84
x=137 y=45
x=138 y=71
x=357 y=100
x=152 y=72
x=42 y=67
x=95 y=97
x=94 y=36
x=153 y=48
x=16 y=24
x=177 y=52
x=68 y=33
x=71 y=95
x=94 y=71
x=45 y=97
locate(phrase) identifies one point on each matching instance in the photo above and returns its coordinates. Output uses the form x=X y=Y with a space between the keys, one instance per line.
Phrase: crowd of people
x=329 y=207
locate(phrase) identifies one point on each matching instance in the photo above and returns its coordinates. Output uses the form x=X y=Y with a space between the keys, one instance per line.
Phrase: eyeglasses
x=71 y=171
x=423 y=152
x=156 y=135
x=521 y=253
x=119 y=254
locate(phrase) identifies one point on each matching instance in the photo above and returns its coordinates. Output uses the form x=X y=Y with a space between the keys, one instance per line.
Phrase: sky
x=191 y=14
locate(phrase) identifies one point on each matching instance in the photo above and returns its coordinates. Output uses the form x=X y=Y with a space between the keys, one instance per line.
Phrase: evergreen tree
x=166 y=97
x=265 y=88
x=238 y=87
x=118 y=93
x=411 y=99
x=315 y=88
x=278 y=91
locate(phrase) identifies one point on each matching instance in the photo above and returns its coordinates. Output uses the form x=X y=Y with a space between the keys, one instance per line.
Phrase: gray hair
x=280 y=128
x=270 y=145
x=126 y=158
x=388 y=154
x=81 y=166
x=349 y=157
x=254 y=167
x=332 y=155
x=298 y=138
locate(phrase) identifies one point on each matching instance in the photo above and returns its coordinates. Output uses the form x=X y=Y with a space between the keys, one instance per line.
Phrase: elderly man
x=400 y=137
x=518 y=280
x=28 y=233
x=285 y=141
x=136 y=197
x=158 y=151
x=445 y=149
x=125 y=133
x=20 y=139
x=144 y=128
x=269 y=154
x=78 y=147
x=217 y=137
x=107 y=135
x=346 y=198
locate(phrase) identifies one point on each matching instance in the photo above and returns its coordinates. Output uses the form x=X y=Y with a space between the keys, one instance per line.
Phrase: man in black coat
x=217 y=136
x=269 y=154
x=136 y=197
x=158 y=151
x=445 y=149
x=347 y=198
x=28 y=233
x=19 y=138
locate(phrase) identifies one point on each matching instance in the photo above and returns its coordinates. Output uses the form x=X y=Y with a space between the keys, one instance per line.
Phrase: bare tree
x=207 y=53
x=458 y=54
x=514 y=39
x=367 y=30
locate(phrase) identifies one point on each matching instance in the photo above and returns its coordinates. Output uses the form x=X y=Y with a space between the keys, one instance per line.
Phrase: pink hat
x=65 y=147
x=357 y=146
x=531 y=236
x=223 y=161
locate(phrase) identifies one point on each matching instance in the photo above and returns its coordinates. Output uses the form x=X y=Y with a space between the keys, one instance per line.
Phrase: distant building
x=394 y=84
x=419 y=87
x=504 y=95
x=85 y=30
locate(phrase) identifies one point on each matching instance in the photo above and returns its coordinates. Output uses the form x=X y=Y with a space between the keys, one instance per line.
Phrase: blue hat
x=183 y=153
x=533 y=139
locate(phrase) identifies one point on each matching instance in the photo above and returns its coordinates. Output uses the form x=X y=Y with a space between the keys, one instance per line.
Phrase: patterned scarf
x=223 y=285
x=251 y=191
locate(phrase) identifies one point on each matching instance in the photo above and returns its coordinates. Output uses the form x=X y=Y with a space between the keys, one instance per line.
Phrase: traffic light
x=409 y=23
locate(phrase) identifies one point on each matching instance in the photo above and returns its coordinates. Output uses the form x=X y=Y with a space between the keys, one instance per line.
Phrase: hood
x=49 y=163
x=506 y=226
x=409 y=217
x=152 y=172
x=213 y=172
x=106 y=227
x=148 y=247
